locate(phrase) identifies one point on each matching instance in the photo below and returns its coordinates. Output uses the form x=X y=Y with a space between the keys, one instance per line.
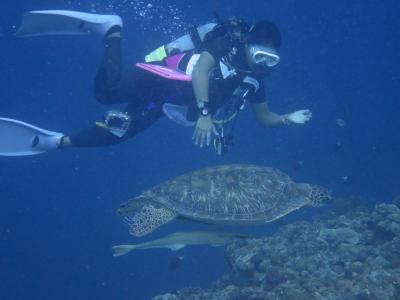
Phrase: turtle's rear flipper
x=147 y=219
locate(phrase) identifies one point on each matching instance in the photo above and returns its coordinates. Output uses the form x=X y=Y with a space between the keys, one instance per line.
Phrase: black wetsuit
x=145 y=92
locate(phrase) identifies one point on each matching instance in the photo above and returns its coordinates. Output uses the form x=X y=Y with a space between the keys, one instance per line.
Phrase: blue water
x=57 y=211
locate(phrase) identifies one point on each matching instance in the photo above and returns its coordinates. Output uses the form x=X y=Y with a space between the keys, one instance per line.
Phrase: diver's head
x=262 y=44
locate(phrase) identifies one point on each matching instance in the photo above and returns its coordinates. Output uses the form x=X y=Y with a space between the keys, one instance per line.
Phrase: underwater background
x=57 y=211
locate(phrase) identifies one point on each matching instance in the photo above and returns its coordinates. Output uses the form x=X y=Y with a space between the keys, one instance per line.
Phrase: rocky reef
x=349 y=252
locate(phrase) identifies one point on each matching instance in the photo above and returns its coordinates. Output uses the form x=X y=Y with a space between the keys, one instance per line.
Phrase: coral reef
x=354 y=254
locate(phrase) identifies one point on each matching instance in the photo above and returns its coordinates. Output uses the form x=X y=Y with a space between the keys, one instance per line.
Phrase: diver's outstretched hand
x=203 y=131
x=300 y=116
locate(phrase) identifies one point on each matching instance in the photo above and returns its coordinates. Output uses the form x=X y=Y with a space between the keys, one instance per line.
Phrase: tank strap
x=195 y=36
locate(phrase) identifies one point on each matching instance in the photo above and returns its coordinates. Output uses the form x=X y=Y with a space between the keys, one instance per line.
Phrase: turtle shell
x=231 y=194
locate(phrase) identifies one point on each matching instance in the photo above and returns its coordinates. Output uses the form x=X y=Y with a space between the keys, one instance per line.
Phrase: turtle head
x=131 y=206
x=318 y=196
x=143 y=215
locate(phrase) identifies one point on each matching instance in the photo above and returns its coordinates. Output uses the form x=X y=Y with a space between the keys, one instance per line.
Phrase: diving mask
x=263 y=55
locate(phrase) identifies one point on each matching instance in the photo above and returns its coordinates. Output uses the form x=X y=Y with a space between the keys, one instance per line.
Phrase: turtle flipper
x=148 y=218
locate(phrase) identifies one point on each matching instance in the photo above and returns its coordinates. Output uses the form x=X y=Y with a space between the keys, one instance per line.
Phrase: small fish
x=176 y=262
x=179 y=240
x=298 y=165
x=338 y=145
x=346 y=179
x=341 y=122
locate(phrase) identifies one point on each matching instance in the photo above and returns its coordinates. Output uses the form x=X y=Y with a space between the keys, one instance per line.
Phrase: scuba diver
x=203 y=79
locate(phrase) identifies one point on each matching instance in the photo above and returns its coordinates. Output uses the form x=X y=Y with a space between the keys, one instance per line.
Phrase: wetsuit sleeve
x=259 y=96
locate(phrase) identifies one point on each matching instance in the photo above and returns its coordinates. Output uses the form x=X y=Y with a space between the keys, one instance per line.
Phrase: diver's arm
x=204 y=126
x=269 y=119
x=200 y=76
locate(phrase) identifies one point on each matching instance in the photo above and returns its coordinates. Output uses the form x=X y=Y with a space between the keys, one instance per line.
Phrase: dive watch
x=204 y=109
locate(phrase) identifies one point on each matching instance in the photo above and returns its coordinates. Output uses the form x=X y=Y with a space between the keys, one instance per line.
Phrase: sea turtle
x=228 y=194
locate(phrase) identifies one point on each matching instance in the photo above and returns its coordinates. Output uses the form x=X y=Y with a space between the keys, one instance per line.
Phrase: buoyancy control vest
x=172 y=54
x=166 y=60
x=235 y=29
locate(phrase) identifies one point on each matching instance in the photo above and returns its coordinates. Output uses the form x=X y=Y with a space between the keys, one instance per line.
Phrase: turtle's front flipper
x=148 y=218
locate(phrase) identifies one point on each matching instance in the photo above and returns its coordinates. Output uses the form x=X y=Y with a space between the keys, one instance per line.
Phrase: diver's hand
x=202 y=132
x=300 y=116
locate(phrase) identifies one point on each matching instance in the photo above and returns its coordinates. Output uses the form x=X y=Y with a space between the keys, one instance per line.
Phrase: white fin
x=51 y=22
x=176 y=247
x=122 y=249
x=177 y=114
x=19 y=138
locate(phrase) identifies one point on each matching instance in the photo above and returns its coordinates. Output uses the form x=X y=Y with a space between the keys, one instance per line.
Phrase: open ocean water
x=57 y=210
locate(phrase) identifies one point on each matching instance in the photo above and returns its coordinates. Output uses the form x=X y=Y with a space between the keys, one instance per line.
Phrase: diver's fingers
x=197 y=140
x=195 y=136
x=308 y=115
x=194 y=133
x=203 y=137
x=209 y=136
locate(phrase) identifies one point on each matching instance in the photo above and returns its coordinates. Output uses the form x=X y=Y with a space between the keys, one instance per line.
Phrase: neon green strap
x=156 y=55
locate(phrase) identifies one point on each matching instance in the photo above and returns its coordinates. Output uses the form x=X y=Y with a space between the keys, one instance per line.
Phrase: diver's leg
x=144 y=92
x=97 y=136
x=108 y=77
x=112 y=85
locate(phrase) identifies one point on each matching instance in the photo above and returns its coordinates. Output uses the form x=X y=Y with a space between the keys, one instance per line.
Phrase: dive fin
x=65 y=22
x=122 y=249
x=19 y=138
x=177 y=113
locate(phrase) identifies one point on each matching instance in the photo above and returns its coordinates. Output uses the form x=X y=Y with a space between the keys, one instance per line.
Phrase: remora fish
x=179 y=240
